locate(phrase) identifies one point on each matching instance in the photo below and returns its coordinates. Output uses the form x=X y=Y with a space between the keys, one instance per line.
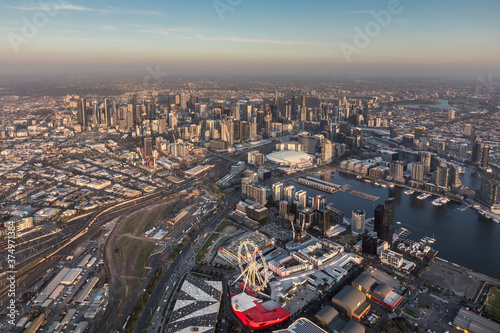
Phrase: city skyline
x=233 y=38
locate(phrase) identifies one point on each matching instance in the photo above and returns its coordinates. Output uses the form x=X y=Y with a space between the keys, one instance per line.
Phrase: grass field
x=133 y=254
x=222 y=225
x=493 y=307
x=131 y=225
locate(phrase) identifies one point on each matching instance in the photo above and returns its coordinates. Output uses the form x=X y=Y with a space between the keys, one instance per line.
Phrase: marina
x=463 y=235
x=424 y=196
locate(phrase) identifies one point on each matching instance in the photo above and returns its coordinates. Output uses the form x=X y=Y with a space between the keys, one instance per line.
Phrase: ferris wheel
x=253 y=272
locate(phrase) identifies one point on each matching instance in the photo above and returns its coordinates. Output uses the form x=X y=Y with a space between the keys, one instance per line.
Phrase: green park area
x=493 y=306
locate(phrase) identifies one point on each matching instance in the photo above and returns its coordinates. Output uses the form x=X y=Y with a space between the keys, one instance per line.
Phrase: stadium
x=290 y=158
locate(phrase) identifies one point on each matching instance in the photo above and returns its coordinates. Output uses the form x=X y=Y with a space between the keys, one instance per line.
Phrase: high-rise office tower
x=81 y=115
x=294 y=104
x=244 y=131
x=107 y=112
x=253 y=131
x=237 y=128
x=358 y=221
x=148 y=146
x=260 y=118
x=235 y=112
x=172 y=120
x=95 y=115
x=476 y=151
x=303 y=113
x=138 y=114
x=227 y=132
x=384 y=220
x=267 y=124
x=183 y=101
x=151 y=109
x=486 y=155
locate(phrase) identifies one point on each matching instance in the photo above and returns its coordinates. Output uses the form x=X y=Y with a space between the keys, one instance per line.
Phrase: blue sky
x=251 y=37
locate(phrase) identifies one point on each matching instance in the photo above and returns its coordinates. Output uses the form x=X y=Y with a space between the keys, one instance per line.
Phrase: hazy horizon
x=417 y=39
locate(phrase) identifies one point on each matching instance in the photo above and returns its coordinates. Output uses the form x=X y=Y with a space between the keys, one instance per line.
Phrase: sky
x=250 y=37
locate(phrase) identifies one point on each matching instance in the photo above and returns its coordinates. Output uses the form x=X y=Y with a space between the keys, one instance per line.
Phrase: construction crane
x=293 y=226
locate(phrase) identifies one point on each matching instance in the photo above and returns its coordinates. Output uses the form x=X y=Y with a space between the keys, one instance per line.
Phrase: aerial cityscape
x=237 y=166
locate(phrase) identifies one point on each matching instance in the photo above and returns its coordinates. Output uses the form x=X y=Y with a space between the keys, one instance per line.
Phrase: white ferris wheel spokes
x=255 y=272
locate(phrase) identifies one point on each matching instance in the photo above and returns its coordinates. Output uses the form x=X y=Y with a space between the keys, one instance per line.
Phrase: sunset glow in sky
x=460 y=38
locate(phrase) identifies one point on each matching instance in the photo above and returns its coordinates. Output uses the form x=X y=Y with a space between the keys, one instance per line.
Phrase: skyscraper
x=319 y=202
x=476 y=151
x=301 y=197
x=384 y=220
x=257 y=193
x=358 y=221
x=278 y=192
x=183 y=101
x=397 y=171
x=289 y=193
x=426 y=159
x=327 y=151
x=227 y=132
x=81 y=115
x=463 y=150
x=419 y=131
x=417 y=172
x=488 y=193
x=324 y=218
x=486 y=155
x=369 y=245
x=148 y=146
x=442 y=175
x=454 y=176
x=107 y=113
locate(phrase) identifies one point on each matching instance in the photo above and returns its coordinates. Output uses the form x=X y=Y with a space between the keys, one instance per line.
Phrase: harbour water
x=443 y=105
x=463 y=237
